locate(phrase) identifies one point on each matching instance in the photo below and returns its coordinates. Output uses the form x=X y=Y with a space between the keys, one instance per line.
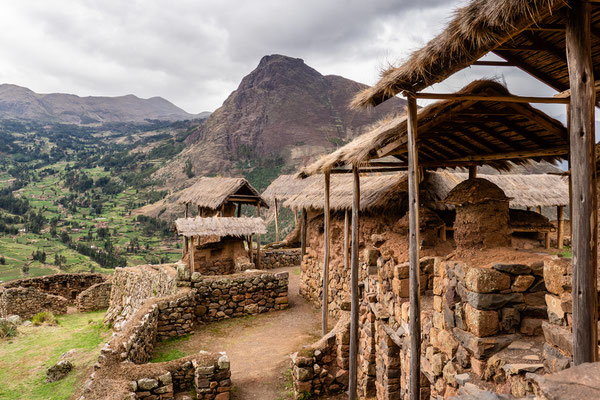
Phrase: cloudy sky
x=195 y=52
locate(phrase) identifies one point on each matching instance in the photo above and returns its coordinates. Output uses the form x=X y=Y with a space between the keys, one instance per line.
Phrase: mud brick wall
x=96 y=297
x=28 y=301
x=322 y=368
x=133 y=286
x=65 y=285
x=279 y=258
x=246 y=293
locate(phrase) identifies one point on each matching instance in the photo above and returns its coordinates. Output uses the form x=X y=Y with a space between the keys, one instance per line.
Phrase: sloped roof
x=219 y=226
x=284 y=187
x=213 y=192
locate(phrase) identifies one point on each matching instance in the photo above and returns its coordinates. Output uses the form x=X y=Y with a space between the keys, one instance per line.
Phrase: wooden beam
x=541 y=76
x=276 y=220
x=560 y=231
x=493 y=64
x=583 y=174
x=258 y=261
x=346 y=238
x=353 y=365
x=548 y=27
x=558 y=151
x=303 y=226
x=501 y=98
x=327 y=239
x=413 y=250
x=524 y=47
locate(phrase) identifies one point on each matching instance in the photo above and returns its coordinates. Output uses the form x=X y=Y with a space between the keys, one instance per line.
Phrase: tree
x=188 y=169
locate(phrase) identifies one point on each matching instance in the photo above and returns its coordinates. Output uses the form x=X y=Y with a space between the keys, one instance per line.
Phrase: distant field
x=25 y=358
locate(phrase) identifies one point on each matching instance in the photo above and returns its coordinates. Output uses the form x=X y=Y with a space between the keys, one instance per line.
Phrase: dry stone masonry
x=279 y=258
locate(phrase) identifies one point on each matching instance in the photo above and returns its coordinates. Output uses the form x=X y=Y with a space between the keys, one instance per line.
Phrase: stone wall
x=322 y=368
x=279 y=258
x=28 y=301
x=133 y=286
x=65 y=285
x=96 y=297
x=229 y=296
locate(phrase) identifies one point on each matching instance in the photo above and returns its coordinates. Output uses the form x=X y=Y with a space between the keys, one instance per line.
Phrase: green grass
x=25 y=358
x=167 y=350
x=567 y=252
x=169 y=355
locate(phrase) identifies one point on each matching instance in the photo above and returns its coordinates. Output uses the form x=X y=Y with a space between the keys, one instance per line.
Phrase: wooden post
x=250 y=244
x=185 y=246
x=276 y=221
x=346 y=238
x=560 y=230
x=327 y=238
x=239 y=210
x=222 y=212
x=187 y=206
x=258 y=240
x=352 y=392
x=443 y=233
x=295 y=217
x=303 y=226
x=528 y=208
x=200 y=211
x=538 y=209
x=413 y=254
x=473 y=172
x=583 y=173
x=192 y=261
x=547 y=240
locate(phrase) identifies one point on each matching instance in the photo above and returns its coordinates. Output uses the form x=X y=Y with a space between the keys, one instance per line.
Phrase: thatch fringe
x=284 y=187
x=219 y=226
x=475 y=30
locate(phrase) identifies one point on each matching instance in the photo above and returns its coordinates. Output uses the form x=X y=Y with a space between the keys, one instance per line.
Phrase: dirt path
x=259 y=346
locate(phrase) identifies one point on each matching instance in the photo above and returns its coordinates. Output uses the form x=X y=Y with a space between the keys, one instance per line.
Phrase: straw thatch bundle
x=284 y=187
x=439 y=125
x=524 y=190
x=213 y=192
x=475 y=30
x=219 y=226
x=376 y=191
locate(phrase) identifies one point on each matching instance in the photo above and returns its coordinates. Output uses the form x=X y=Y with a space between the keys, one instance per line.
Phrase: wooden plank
x=413 y=250
x=303 y=226
x=276 y=220
x=499 y=98
x=258 y=261
x=346 y=238
x=583 y=175
x=558 y=151
x=327 y=239
x=352 y=375
x=560 y=231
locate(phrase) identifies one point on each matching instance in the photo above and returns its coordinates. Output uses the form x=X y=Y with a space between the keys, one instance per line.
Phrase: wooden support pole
x=303 y=226
x=583 y=175
x=352 y=392
x=560 y=230
x=346 y=238
x=546 y=240
x=443 y=233
x=222 y=212
x=473 y=172
x=250 y=245
x=276 y=220
x=327 y=234
x=192 y=255
x=538 y=209
x=239 y=210
x=413 y=254
x=199 y=211
x=187 y=206
x=295 y=217
x=258 y=240
x=185 y=246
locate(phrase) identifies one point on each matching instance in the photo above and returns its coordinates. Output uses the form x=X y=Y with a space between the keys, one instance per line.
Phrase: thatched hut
x=482 y=218
x=216 y=244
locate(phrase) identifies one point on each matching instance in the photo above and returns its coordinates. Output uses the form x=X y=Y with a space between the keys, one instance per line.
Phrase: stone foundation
x=279 y=258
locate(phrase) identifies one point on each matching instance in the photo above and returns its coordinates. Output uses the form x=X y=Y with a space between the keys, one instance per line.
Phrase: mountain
x=18 y=102
x=282 y=114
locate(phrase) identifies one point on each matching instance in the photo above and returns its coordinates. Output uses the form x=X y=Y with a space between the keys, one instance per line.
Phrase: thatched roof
x=529 y=34
x=213 y=192
x=219 y=226
x=376 y=191
x=460 y=132
x=528 y=220
x=524 y=190
x=475 y=191
x=284 y=187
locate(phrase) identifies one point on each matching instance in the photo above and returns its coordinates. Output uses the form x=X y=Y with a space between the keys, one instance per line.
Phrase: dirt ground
x=259 y=346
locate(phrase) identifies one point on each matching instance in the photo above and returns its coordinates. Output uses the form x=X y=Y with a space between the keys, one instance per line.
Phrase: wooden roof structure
x=219 y=226
x=214 y=192
x=527 y=34
x=461 y=132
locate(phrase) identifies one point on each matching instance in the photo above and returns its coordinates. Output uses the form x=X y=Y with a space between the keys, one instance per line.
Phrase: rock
x=519 y=345
x=485 y=280
x=576 y=383
x=371 y=256
x=535 y=299
x=515 y=269
x=489 y=301
x=510 y=320
x=447 y=344
x=449 y=373
x=538 y=286
x=15 y=319
x=522 y=283
x=377 y=239
x=67 y=354
x=183 y=272
x=223 y=362
x=556 y=277
x=482 y=347
x=304 y=374
x=515 y=369
x=558 y=336
x=461 y=379
x=437 y=363
x=58 y=371
x=531 y=326
x=401 y=271
x=481 y=323
x=557 y=307
x=165 y=379
x=554 y=359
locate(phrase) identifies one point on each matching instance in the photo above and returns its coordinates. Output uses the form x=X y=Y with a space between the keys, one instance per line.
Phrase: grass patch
x=166 y=350
x=42 y=318
x=296 y=271
x=25 y=358
x=286 y=392
x=7 y=329
x=567 y=252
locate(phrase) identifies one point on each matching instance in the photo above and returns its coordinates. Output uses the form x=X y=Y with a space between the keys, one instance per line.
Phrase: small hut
x=219 y=248
x=482 y=218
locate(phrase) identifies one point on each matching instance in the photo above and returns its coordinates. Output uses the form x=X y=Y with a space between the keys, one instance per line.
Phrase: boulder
x=515 y=269
x=58 y=371
x=485 y=280
x=481 y=323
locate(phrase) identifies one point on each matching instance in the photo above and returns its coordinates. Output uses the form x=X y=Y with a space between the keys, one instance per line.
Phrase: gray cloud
x=194 y=53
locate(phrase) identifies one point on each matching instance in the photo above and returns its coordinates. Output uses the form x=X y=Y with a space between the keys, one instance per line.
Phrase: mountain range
x=17 y=102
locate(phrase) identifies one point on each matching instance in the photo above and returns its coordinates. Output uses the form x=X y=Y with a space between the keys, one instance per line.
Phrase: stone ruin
x=54 y=293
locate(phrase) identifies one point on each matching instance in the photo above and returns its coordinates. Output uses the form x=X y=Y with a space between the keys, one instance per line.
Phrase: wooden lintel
x=500 y=98
x=558 y=151
x=493 y=64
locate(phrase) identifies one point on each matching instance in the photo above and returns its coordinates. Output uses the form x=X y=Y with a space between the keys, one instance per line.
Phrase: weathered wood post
x=258 y=240
x=413 y=250
x=538 y=209
x=276 y=220
x=200 y=211
x=560 y=230
x=352 y=393
x=303 y=226
x=472 y=171
x=583 y=175
x=192 y=255
x=187 y=206
x=239 y=210
x=327 y=238
x=250 y=246
x=346 y=238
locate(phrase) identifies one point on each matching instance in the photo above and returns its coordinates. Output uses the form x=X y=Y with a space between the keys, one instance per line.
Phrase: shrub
x=7 y=329
x=44 y=317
